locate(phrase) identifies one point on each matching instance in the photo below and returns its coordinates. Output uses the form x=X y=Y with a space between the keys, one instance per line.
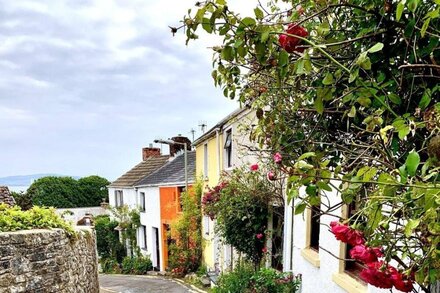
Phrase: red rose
x=365 y=254
x=378 y=274
x=401 y=282
x=254 y=167
x=290 y=43
x=264 y=250
x=346 y=234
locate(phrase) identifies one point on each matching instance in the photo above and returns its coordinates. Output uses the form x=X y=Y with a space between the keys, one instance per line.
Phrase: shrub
x=110 y=266
x=107 y=239
x=136 y=265
x=244 y=279
x=14 y=219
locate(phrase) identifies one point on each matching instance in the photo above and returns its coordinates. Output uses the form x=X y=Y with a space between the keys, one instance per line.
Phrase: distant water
x=18 y=188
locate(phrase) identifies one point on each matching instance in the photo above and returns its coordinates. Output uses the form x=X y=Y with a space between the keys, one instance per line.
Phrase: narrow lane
x=140 y=284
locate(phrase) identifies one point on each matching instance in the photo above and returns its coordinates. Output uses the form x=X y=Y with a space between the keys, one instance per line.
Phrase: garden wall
x=48 y=261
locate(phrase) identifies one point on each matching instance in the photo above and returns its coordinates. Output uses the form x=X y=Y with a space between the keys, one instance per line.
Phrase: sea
x=18 y=188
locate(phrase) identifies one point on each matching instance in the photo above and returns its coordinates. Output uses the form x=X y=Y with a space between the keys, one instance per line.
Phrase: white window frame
x=142 y=202
x=119 y=198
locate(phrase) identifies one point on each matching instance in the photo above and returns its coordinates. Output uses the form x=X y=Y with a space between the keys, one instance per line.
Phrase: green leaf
x=248 y=21
x=258 y=13
x=206 y=25
x=354 y=73
x=410 y=226
x=352 y=112
x=425 y=100
x=395 y=99
x=412 y=163
x=311 y=190
x=328 y=79
x=376 y=48
x=425 y=27
x=319 y=105
x=399 y=10
x=283 y=58
x=324 y=186
x=306 y=155
x=228 y=53
x=299 y=208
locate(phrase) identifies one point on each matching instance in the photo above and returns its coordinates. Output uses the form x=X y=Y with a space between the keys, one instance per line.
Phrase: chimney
x=176 y=148
x=150 y=152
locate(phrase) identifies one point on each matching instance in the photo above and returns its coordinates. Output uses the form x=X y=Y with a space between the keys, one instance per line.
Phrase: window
x=314 y=227
x=142 y=201
x=228 y=149
x=119 y=199
x=180 y=190
x=205 y=161
x=144 y=236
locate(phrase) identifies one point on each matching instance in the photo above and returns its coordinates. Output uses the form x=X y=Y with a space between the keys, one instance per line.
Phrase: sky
x=85 y=84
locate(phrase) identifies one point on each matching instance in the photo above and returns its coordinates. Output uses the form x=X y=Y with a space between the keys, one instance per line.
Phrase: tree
x=348 y=93
x=66 y=192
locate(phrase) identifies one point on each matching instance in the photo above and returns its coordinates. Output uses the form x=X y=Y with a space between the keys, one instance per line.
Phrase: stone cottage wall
x=48 y=261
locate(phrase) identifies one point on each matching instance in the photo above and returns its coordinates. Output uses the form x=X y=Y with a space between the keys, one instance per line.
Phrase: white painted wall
x=314 y=279
x=151 y=219
x=79 y=213
x=129 y=196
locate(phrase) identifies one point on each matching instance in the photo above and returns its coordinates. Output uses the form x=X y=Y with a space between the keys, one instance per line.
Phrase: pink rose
x=264 y=250
x=259 y=235
x=401 y=282
x=277 y=158
x=365 y=254
x=254 y=167
x=346 y=234
x=271 y=176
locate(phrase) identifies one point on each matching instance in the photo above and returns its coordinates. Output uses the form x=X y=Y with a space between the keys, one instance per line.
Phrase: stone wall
x=48 y=261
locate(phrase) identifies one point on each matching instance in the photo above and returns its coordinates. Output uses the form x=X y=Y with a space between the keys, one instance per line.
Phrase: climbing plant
x=347 y=92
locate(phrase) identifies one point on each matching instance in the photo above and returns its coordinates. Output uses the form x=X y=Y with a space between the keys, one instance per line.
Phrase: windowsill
x=312 y=256
x=348 y=283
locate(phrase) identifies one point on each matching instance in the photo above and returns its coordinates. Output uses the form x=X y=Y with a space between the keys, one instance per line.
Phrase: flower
x=271 y=176
x=346 y=234
x=254 y=167
x=365 y=254
x=259 y=235
x=290 y=43
x=277 y=158
x=264 y=250
x=299 y=9
x=378 y=274
x=401 y=282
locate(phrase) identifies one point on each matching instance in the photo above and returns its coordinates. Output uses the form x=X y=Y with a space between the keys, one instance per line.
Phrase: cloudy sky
x=85 y=84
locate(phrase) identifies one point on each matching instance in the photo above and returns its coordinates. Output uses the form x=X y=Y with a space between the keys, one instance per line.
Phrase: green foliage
x=136 y=265
x=22 y=199
x=66 y=192
x=363 y=96
x=186 y=252
x=107 y=239
x=110 y=266
x=128 y=222
x=242 y=212
x=245 y=280
x=14 y=219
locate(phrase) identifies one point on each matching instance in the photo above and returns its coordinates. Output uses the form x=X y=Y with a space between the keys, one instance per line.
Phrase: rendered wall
x=48 y=261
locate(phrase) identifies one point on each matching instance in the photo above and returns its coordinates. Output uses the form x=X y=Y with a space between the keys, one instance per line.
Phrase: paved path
x=141 y=284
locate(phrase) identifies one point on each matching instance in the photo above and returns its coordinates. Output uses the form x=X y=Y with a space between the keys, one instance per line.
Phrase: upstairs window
x=119 y=199
x=228 y=149
x=142 y=201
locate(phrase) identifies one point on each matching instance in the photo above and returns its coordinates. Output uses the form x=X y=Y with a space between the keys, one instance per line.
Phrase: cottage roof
x=5 y=196
x=141 y=170
x=172 y=172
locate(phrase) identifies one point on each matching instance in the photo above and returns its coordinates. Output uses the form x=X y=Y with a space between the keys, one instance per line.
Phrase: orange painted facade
x=169 y=210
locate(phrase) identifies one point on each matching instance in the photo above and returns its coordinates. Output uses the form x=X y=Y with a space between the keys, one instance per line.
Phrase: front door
x=156 y=234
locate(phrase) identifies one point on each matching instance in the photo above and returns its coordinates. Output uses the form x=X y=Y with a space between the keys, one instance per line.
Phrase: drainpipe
x=219 y=164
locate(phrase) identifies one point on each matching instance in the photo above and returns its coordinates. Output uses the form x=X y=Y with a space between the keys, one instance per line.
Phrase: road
x=141 y=284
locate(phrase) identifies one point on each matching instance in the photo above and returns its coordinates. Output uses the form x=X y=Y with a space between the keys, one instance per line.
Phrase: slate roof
x=172 y=172
x=141 y=170
x=5 y=196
